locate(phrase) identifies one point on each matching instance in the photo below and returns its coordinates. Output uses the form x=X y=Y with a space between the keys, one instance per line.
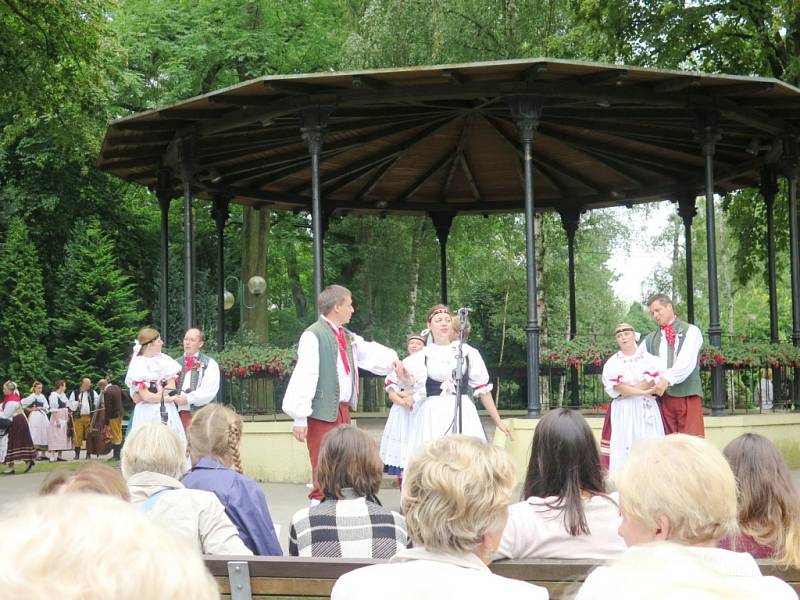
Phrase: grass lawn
x=47 y=466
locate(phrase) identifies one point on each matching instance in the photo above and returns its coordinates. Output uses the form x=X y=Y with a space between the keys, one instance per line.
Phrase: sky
x=636 y=262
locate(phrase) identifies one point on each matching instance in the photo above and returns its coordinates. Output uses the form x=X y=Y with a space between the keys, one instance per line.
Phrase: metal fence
x=747 y=390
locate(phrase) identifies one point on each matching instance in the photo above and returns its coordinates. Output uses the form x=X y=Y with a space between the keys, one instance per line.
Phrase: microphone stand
x=164 y=415
x=457 y=374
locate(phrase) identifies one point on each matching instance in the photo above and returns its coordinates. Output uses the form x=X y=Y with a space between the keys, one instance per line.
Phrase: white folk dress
x=632 y=417
x=434 y=415
x=38 y=422
x=396 y=432
x=157 y=369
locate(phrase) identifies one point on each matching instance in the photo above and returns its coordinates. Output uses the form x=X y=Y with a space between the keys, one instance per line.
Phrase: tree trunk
x=413 y=273
x=298 y=297
x=255 y=238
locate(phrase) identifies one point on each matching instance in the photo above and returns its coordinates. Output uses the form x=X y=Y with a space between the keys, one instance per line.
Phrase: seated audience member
x=214 y=437
x=565 y=512
x=350 y=521
x=455 y=498
x=153 y=460
x=680 y=489
x=94 y=478
x=94 y=547
x=769 y=505
x=666 y=571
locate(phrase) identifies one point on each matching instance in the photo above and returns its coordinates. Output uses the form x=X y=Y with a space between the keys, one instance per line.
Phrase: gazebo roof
x=441 y=139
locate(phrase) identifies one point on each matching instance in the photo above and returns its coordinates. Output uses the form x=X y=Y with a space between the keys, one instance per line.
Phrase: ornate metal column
x=790 y=167
x=708 y=136
x=187 y=172
x=688 y=210
x=570 y=219
x=769 y=189
x=526 y=111
x=164 y=193
x=442 y=223
x=220 y=213
x=313 y=121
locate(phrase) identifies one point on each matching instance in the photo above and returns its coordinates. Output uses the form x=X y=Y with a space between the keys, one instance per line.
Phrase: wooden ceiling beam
x=417 y=183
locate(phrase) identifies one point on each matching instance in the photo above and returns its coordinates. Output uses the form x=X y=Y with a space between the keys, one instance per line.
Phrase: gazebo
x=479 y=138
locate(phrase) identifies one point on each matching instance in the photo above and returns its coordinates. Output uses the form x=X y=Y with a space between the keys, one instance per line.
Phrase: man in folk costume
x=111 y=399
x=323 y=387
x=81 y=404
x=677 y=344
x=199 y=378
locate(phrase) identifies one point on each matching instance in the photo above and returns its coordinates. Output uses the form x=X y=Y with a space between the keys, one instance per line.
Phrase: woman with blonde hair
x=680 y=489
x=151 y=378
x=350 y=521
x=769 y=505
x=95 y=547
x=215 y=435
x=455 y=499
x=153 y=461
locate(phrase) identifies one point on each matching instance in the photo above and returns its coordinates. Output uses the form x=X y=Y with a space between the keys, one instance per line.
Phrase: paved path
x=283 y=498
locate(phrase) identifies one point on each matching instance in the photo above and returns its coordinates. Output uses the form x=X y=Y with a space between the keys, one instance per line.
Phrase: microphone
x=463 y=312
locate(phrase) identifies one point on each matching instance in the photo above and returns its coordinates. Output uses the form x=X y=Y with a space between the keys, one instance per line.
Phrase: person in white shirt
x=58 y=436
x=455 y=499
x=323 y=387
x=677 y=345
x=81 y=403
x=37 y=419
x=199 y=378
x=680 y=489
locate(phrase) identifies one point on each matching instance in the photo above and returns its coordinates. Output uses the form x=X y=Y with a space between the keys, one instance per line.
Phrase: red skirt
x=20 y=444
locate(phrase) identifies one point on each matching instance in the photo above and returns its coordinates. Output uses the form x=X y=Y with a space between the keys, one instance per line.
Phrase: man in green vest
x=323 y=387
x=677 y=344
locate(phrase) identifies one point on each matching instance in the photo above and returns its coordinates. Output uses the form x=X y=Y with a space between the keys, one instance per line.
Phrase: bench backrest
x=288 y=577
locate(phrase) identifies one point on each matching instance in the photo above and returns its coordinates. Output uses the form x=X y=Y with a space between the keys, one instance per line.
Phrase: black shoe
x=59 y=459
x=30 y=466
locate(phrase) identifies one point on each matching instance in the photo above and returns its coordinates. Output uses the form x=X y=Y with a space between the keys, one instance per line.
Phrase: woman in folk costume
x=37 y=419
x=17 y=443
x=394 y=442
x=629 y=377
x=151 y=376
x=58 y=435
x=433 y=369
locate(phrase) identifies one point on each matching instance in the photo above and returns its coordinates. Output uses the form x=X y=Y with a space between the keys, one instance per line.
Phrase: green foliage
x=23 y=319
x=96 y=317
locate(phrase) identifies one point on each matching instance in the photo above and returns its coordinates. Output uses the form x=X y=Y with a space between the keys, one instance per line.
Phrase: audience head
x=456 y=493
x=769 y=505
x=94 y=478
x=95 y=547
x=564 y=463
x=156 y=448
x=216 y=432
x=665 y=571
x=349 y=458
x=677 y=488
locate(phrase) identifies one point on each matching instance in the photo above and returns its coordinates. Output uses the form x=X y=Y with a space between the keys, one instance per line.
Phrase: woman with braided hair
x=214 y=437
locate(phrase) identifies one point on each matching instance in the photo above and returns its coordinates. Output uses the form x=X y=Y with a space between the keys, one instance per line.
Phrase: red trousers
x=316 y=432
x=682 y=415
x=186 y=418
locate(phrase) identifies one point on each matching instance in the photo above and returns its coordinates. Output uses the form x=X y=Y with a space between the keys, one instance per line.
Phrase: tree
x=23 y=321
x=97 y=314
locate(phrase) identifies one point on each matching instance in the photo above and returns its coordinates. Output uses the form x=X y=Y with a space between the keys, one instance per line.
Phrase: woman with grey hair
x=153 y=460
x=455 y=498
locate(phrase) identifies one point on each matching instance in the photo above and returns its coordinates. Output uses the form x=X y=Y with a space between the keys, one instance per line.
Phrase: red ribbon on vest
x=669 y=333
x=339 y=333
x=189 y=363
x=617 y=379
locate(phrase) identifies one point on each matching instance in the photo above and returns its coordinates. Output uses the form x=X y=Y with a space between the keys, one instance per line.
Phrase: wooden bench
x=285 y=578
